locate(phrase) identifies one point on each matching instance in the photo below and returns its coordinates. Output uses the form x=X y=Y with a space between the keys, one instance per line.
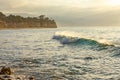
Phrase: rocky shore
x=7 y=73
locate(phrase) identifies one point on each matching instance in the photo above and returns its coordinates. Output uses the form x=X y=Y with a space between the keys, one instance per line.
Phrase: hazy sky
x=68 y=12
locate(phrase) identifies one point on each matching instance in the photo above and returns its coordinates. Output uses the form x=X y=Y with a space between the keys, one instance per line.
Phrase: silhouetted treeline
x=16 y=21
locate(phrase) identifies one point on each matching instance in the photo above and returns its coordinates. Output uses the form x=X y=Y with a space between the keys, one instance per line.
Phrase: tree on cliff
x=2 y=16
x=41 y=18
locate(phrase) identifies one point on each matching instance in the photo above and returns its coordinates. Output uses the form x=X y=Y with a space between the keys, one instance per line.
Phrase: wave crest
x=66 y=37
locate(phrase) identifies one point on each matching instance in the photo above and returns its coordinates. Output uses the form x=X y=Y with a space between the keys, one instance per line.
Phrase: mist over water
x=95 y=55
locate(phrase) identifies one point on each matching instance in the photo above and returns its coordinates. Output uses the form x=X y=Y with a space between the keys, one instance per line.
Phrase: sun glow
x=114 y=2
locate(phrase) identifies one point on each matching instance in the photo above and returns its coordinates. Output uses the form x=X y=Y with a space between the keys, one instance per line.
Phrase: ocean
x=65 y=53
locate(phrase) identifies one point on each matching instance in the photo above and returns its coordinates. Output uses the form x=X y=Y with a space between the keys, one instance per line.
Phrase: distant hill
x=16 y=21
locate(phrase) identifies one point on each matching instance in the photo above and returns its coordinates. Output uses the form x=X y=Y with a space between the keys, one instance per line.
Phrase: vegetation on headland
x=16 y=21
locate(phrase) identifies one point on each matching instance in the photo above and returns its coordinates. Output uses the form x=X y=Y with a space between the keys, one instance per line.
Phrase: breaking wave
x=73 y=38
x=78 y=40
x=68 y=38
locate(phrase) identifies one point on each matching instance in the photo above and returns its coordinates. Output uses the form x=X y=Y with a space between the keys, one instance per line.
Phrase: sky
x=68 y=12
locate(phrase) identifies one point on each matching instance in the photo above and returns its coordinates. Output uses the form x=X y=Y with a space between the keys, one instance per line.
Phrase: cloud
x=66 y=12
x=108 y=18
x=12 y=5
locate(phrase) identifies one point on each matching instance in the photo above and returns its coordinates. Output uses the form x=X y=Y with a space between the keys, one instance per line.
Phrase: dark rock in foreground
x=7 y=73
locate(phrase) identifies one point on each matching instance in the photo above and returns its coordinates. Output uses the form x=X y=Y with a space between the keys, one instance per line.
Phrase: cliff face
x=13 y=21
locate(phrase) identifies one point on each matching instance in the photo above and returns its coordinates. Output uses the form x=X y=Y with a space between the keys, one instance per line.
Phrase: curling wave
x=78 y=40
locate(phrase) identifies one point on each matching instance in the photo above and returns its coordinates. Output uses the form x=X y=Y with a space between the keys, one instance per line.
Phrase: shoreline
x=23 y=28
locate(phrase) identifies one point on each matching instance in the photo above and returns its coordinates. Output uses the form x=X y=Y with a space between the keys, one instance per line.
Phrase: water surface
x=35 y=52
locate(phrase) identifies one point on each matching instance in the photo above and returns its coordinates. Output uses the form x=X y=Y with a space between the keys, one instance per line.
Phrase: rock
x=31 y=78
x=6 y=71
x=2 y=78
x=6 y=76
x=88 y=58
x=18 y=78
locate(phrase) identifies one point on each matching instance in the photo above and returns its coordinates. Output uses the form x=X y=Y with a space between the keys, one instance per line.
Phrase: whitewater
x=66 y=53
